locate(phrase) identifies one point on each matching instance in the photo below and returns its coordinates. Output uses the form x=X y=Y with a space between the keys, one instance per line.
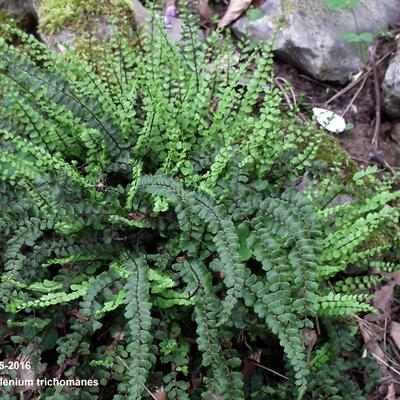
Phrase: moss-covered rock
x=18 y=8
x=332 y=153
x=86 y=24
x=83 y=24
x=56 y=15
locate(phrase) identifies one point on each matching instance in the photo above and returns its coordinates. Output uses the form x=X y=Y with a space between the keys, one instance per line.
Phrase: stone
x=173 y=24
x=310 y=37
x=19 y=8
x=391 y=88
x=71 y=32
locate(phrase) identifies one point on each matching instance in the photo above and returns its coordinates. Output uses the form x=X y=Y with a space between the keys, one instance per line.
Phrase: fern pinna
x=148 y=193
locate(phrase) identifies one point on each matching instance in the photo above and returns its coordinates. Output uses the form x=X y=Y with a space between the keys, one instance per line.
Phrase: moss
x=334 y=155
x=55 y=15
x=86 y=25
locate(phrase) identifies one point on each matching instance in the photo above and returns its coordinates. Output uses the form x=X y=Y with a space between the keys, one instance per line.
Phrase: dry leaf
x=256 y=356
x=383 y=299
x=160 y=394
x=205 y=10
x=395 y=333
x=170 y=3
x=311 y=335
x=369 y=338
x=391 y=393
x=235 y=9
x=26 y=375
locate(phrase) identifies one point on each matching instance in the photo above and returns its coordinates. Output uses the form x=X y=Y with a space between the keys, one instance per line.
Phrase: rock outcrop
x=19 y=8
x=75 y=27
x=311 y=35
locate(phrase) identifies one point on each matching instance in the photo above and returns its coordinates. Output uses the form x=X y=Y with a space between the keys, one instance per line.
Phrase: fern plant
x=154 y=191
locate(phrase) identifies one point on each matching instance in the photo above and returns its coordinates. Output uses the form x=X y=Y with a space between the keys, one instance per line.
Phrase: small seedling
x=363 y=39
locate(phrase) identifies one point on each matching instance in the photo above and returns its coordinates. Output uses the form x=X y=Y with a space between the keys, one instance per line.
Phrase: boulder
x=75 y=26
x=19 y=8
x=391 y=88
x=310 y=36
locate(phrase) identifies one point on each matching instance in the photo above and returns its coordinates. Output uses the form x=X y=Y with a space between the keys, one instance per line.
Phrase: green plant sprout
x=363 y=39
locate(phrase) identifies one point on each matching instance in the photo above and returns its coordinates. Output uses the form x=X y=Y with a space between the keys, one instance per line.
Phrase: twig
x=378 y=99
x=385 y=363
x=317 y=326
x=375 y=155
x=330 y=87
x=385 y=336
x=368 y=72
x=283 y=89
x=270 y=370
x=359 y=159
x=355 y=96
x=144 y=386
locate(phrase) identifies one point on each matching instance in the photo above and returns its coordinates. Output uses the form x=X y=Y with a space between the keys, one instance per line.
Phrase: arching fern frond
x=224 y=234
x=138 y=308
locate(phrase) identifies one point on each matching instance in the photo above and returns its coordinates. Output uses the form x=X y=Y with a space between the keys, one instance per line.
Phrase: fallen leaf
x=311 y=335
x=256 y=356
x=391 y=393
x=234 y=11
x=160 y=394
x=383 y=302
x=206 y=12
x=383 y=299
x=370 y=341
x=170 y=3
x=25 y=374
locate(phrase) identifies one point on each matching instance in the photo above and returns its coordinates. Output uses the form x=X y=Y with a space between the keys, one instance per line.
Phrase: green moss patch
x=55 y=15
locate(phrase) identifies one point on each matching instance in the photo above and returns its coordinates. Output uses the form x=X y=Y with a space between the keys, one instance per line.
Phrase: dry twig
x=286 y=86
x=350 y=86
x=270 y=370
x=378 y=98
x=364 y=81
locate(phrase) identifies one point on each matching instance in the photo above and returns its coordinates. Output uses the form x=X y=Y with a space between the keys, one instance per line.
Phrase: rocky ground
x=321 y=66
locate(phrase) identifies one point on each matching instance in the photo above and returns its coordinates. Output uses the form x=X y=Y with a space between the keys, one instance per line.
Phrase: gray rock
x=391 y=88
x=311 y=35
x=69 y=36
x=103 y=30
x=19 y=8
x=142 y=16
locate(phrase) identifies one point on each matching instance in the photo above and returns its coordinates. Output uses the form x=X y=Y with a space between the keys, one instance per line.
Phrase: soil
x=361 y=114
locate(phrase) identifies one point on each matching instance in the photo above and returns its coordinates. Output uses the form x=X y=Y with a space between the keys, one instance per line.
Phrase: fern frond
x=227 y=243
x=342 y=304
x=138 y=308
x=223 y=382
